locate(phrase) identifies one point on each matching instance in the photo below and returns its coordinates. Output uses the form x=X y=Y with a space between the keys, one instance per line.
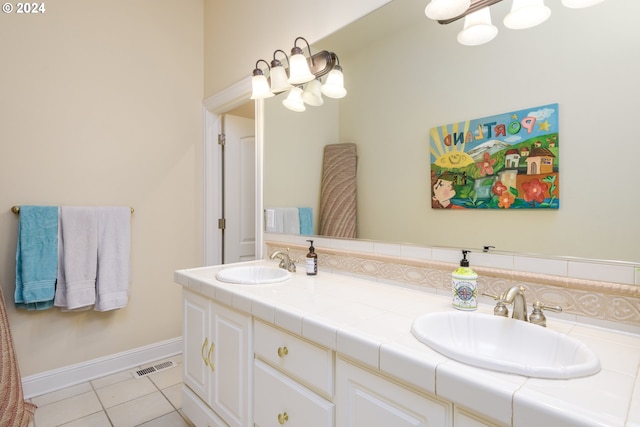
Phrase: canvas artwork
x=505 y=161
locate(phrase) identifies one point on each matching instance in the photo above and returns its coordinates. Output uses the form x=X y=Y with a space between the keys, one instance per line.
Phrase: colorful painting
x=506 y=161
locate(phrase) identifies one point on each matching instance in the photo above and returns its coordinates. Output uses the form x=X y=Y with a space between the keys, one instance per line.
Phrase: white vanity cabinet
x=293 y=380
x=366 y=399
x=217 y=370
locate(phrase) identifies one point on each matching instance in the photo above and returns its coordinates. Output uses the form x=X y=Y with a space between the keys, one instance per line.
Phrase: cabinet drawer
x=281 y=401
x=307 y=362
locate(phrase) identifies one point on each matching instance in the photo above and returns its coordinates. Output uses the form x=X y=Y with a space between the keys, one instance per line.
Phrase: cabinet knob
x=202 y=350
x=283 y=351
x=283 y=418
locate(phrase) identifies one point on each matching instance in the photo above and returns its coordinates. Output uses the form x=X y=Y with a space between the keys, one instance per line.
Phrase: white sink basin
x=252 y=275
x=505 y=345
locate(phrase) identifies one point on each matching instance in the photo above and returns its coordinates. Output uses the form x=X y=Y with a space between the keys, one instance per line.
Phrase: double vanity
x=266 y=347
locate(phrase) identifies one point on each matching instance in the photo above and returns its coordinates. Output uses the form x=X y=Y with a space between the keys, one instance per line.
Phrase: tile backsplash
x=604 y=293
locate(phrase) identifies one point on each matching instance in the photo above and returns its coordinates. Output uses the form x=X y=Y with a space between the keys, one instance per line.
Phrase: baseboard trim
x=46 y=382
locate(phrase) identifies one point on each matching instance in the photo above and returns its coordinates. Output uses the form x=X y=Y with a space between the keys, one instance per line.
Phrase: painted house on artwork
x=511 y=159
x=540 y=161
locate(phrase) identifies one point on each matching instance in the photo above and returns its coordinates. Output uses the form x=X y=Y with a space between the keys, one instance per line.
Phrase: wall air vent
x=152 y=369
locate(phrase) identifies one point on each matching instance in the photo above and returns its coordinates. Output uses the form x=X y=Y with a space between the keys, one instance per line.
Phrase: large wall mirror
x=405 y=74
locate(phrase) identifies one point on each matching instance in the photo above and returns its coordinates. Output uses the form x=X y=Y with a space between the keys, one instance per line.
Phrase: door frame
x=212 y=109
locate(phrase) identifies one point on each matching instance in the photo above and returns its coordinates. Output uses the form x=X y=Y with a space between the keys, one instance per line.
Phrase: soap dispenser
x=465 y=293
x=312 y=260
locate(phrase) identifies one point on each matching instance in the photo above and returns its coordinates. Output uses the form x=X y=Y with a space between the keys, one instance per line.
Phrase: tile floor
x=117 y=400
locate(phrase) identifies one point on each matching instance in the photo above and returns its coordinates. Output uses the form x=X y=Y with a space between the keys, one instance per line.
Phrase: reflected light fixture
x=259 y=83
x=304 y=80
x=293 y=101
x=524 y=14
x=299 y=71
x=478 y=28
x=278 y=75
x=312 y=93
x=334 y=86
x=446 y=9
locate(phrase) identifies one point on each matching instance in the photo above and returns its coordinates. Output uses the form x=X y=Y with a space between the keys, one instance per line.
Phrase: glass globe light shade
x=446 y=9
x=299 y=72
x=526 y=14
x=333 y=87
x=294 y=100
x=477 y=28
x=279 y=79
x=312 y=94
x=260 y=86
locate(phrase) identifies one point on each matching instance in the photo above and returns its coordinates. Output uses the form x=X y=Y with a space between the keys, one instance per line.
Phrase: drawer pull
x=211 y=364
x=283 y=351
x=202 y=350
x=283 y=418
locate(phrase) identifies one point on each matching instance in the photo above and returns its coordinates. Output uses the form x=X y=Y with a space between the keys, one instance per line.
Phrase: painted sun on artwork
x=506 y=161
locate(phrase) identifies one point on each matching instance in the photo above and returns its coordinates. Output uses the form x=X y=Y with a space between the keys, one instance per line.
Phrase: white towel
x=77 y=257
x=114 y=242
x=291 y=220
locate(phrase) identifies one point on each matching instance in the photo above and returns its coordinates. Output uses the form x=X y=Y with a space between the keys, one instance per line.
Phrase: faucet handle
x=500 y=309
x=537 y=316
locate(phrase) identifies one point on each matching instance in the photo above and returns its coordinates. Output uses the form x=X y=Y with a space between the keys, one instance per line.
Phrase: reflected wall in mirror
x=405 y=74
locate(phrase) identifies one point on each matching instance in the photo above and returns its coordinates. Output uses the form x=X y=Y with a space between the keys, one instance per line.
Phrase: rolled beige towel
x=338 y=191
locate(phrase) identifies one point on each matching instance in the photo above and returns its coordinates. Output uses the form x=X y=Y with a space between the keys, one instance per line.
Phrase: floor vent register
x=153 y=369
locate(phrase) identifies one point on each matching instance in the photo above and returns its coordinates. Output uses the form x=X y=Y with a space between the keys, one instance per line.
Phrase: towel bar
x=16 y=210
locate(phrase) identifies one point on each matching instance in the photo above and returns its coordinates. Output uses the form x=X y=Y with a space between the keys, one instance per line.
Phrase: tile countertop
x=370 y=322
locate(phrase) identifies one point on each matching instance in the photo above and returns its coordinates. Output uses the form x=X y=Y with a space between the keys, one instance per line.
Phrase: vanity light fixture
x=303 y=82
x=446 y=9
x=334 y=86
x=312 y=94
x=524 y=14
x=299 y=71
x=293 y=101
x=278 y=75
x=259 y=83
x=478 y=28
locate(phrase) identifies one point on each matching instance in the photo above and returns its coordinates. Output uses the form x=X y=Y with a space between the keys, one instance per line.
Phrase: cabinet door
x=230 y=365
x=198 y=413
x=279 y=400
x=196 y=343
x=465 y=418
x=365 y=399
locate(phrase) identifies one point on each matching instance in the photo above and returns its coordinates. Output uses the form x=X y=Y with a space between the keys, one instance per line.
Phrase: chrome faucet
x=515 y=296
x=285 y=260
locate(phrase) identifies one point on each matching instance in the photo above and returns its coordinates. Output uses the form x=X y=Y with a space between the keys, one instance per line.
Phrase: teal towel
x=306 y=221
x=36 y=257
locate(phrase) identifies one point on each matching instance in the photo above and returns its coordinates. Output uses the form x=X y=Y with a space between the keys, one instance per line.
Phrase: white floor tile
x=58 y=395
x=124 y=391
x=140 y=410
x=170 y=420
x=174 y=395
x=111 y=379
x=167 y=377
x=64 y=411
x=99 y=419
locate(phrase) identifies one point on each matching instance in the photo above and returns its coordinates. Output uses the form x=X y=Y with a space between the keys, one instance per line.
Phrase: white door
x=239 y=189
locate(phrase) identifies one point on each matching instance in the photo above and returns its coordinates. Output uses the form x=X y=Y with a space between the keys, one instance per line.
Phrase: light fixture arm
x=257 y=71
x=299 y=51
x=276 y=62
x=475 y=6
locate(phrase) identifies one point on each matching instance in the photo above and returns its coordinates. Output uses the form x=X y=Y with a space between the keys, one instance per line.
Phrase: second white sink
x=252 y=275
x=505 y=345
